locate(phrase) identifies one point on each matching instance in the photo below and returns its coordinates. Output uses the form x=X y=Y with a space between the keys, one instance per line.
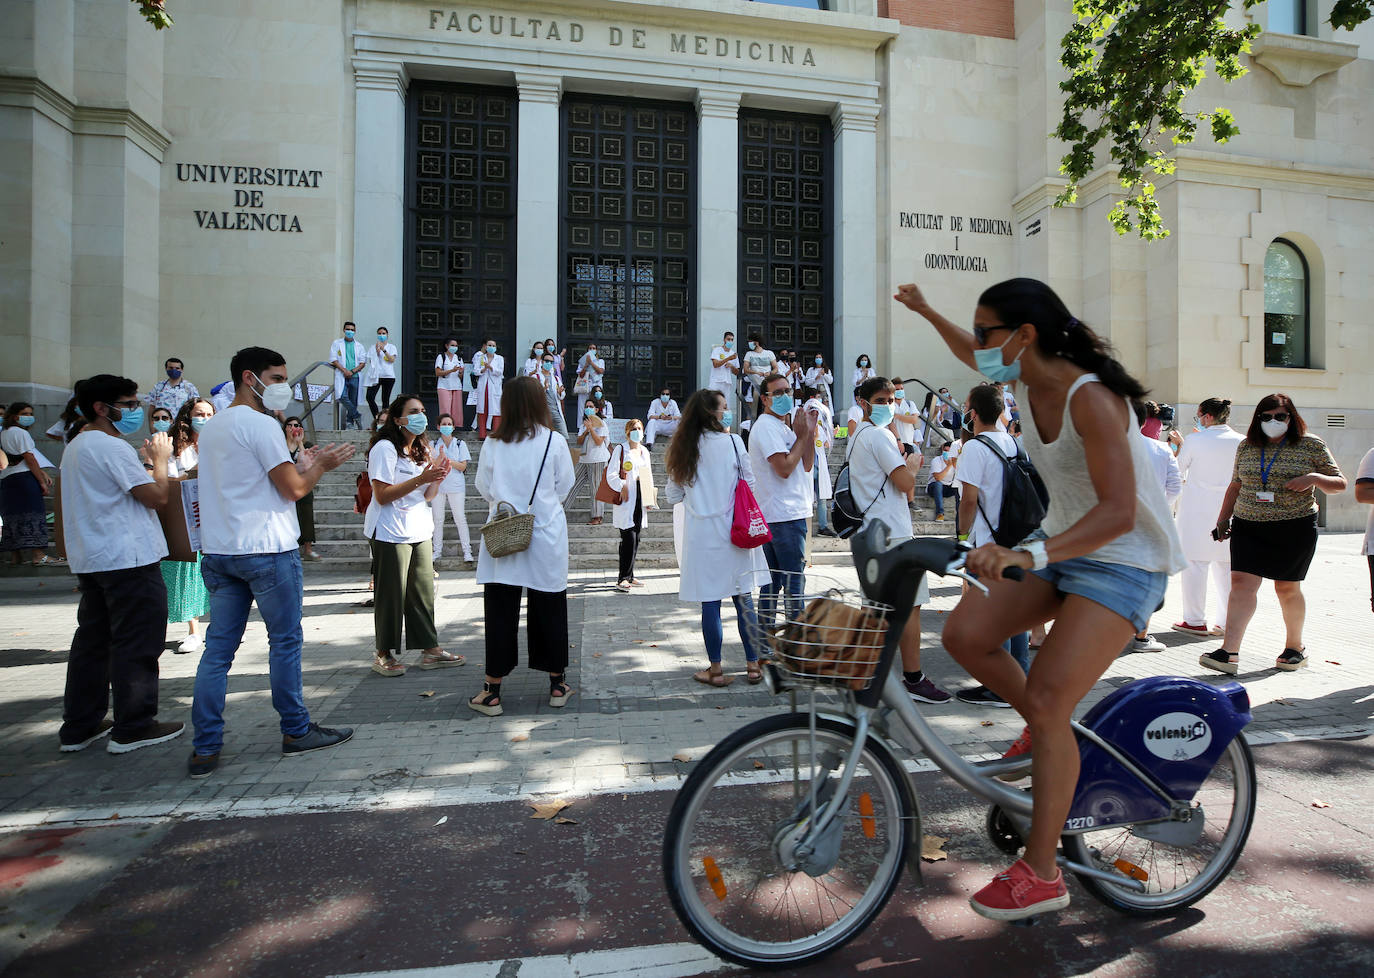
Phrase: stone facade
x=241 y=178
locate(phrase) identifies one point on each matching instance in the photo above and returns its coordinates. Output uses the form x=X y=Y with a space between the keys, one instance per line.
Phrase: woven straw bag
x=510 y=531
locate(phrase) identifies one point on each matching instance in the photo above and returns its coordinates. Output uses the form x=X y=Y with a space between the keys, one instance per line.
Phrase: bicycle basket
x=826 y=635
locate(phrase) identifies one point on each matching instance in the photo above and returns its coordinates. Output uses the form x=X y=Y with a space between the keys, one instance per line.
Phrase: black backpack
x=1024 y=497
x=845 y=515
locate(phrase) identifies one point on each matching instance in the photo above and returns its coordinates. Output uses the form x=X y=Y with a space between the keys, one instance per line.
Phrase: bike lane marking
x=658 y=961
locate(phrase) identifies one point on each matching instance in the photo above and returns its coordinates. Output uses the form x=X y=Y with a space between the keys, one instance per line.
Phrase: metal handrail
x=308 y=414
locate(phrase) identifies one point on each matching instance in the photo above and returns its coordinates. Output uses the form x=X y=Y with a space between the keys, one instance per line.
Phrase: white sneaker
x=190 y=645
x=1148 y=644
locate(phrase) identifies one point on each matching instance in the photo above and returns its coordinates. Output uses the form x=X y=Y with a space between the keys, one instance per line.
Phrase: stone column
x=855 y=241
x=379 y=92
x=717 y=222
x=538 y=275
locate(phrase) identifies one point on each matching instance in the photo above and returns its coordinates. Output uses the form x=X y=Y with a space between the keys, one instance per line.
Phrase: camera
x=1166 y=414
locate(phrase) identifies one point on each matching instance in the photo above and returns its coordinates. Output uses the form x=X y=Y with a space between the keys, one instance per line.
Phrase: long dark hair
x=1297 y=427
x=390 y=431
x=524 y=409
x=1058 y=332
x=12 y=412
x=183 y=432
x=684 y=451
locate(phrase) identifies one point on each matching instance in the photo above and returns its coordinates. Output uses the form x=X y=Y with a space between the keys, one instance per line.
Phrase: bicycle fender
x=1171 y=727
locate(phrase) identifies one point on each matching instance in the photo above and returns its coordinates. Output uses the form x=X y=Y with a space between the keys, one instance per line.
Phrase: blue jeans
x=714 y=634
x=1019 y=647
x=786 y=556
x=822 y=510
x=939 y=492
x=276 y=583
x=350 y=399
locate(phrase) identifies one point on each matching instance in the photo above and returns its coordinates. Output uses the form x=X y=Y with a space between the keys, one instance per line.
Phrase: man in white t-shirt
x=906 y=415
x=248 y=492
x=783 y=454
x=981 y=476
x=758 y=364
x=664 y=415
x=114 y=544
x=881 y=481
x=725 y=369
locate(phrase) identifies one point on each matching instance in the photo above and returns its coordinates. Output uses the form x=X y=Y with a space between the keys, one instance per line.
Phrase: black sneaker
x=101 y=730
x=202 y=765
x=154 y=733
x=825 y=531
x=315 y=737
x=925 y=691
x=981 y=696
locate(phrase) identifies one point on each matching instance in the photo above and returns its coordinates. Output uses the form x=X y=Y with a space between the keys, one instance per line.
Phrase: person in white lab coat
x=822 y=378
x=488 y=375
x=664 y=415
x=590 y=371
x=820 y=472
x=453 y=490
x=528 y=466
x=348 y=357
x=705 y=462
x=1205 y=462
x=630 y=473
x=380 y=375
x=450 y=368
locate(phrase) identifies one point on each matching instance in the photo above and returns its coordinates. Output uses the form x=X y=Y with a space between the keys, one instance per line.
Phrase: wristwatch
x=1036 y=548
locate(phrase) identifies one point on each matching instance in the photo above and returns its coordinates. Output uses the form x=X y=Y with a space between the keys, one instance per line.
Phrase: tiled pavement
x=636 y=706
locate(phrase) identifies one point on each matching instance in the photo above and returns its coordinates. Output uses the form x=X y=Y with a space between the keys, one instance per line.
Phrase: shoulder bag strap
x=541 y=472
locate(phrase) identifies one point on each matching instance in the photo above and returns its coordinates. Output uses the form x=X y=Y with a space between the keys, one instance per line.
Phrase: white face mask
x=1273 y=429
x=274 y=397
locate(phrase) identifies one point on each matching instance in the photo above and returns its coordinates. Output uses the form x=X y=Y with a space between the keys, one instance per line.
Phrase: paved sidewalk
x=635 y=711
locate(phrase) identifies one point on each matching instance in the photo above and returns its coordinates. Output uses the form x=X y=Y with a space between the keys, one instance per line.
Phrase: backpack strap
x=882 y=490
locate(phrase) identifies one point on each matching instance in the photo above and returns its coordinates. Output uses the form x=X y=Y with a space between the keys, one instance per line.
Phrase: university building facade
x=647 y=175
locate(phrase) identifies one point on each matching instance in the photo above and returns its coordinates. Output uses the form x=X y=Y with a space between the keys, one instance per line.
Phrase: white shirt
x=16 y=440
x=509 y=471
x=906 y=432
x=942 y=471
x=456 y=451
x=722 y=376
x=873 y=455
x=105 y=527
x=241 y=511
x=661 y=412
x=531 y=367
x=761 y=363
x=623 y=516
x=591 y=451
x=1165 y=467
x=980 y=467
x=853 y=418
x=407 y=519
x=381 y=364
x=780 y=499
x=591 y=369
x=1206 y=462
x=453 y=381
x=1366 y=473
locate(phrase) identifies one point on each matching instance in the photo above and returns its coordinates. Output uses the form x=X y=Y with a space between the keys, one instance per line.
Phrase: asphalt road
x=486 y=890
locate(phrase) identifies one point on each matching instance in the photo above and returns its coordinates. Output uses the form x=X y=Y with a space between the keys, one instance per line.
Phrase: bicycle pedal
x=1025 y=922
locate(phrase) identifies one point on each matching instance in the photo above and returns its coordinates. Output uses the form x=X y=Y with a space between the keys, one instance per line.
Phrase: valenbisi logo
x=1178 y=736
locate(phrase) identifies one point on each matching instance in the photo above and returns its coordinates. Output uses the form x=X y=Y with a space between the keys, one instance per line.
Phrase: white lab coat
x=642 y=476
x=488 y=377
x=825 y=434
x=379 y=368
x=821 y=378
x=656 y=427
x=713 y=568
x=507 y=472
x=1205 y=462
x=336 y=352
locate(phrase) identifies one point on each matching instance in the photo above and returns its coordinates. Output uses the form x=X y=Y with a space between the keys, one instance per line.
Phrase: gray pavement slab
x=635 y=711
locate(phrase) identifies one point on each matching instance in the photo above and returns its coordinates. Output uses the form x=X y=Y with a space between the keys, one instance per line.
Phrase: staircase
x=339 y=531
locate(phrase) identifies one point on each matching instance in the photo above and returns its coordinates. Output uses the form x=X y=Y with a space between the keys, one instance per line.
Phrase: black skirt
x=1280 y=550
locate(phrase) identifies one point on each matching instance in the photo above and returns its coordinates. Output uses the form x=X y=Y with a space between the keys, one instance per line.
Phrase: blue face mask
x=728 y=419
x=899 y=394
x=491 y=350
x=198 y=423
x=782 y=404
x=381 y=337
x=589 y=411
x=820 y=362
x=26 y=420
x=416 y=424
x=989 y=364
x=173 y=372
x=446 y=430
x=729 y=344
x=881 y=415
x=636 y=435
x=162 y=425
x=129 y=421
x=548 y=367
x=348 y=334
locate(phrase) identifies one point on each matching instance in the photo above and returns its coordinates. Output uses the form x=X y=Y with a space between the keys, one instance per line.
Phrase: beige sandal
x=387 y=665
x=440 y=659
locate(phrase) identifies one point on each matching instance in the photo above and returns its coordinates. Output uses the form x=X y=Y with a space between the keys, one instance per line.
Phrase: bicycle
x=788 y=838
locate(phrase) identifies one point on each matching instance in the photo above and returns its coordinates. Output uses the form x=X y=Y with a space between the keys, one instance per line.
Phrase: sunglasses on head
x=1274 y=416
x=981 y=333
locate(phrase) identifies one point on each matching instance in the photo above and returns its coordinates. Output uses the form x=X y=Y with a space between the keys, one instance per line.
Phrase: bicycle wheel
x=1176 y=875
x=726 y=847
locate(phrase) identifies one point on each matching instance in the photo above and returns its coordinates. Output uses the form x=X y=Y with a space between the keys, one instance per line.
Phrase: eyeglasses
x=130 y=404
x=980 y=333
x=292 y=424
x=1274 y=416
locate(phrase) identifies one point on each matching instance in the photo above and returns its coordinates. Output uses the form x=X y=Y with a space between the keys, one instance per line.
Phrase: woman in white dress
x=453 y=491
x=528 y=466
x=1206 y=462
x=705 y=463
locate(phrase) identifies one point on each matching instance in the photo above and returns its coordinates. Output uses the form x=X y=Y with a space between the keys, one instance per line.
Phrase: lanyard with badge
x=1266 y=495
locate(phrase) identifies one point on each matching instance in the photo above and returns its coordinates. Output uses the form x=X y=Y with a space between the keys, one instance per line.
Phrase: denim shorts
x=1132 y=593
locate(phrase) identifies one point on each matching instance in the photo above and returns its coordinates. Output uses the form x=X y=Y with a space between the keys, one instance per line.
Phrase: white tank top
x=1152 y=544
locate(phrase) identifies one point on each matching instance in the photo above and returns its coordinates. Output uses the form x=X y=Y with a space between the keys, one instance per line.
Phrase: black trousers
x=547 y=629
x=384 y=385
x=629 y=543
x=121 y=625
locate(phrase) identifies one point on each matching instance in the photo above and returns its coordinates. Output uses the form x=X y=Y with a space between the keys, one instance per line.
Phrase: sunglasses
x=1274 y=416
x=293 y=425
x=980 y=333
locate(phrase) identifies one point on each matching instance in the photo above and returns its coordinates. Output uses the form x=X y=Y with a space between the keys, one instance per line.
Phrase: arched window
x=1287 y=329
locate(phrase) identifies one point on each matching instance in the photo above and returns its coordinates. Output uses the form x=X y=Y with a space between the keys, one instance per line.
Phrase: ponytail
x=1059 y=332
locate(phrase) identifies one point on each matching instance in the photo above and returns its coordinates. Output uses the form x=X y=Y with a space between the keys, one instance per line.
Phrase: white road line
x=347 y=801
x=657 y=961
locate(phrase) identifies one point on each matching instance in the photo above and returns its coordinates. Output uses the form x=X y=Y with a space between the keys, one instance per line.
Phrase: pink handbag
x=749 y=529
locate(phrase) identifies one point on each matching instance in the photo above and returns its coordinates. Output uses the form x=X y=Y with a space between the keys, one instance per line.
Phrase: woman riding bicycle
x=1100 y=574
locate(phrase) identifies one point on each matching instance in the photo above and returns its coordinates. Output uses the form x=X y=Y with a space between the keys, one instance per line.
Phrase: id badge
x=1265 y=497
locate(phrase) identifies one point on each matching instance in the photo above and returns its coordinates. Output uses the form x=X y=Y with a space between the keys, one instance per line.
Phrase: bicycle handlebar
x=885 y=572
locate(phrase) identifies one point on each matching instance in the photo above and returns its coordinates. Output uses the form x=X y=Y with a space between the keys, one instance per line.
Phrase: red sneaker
x=1187 y=629
x=1022 y=745
x=1019 y=893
